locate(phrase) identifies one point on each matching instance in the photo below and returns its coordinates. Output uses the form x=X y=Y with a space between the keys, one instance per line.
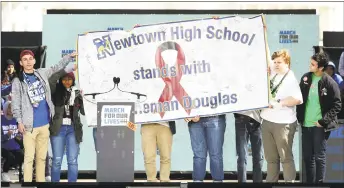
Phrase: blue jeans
x=207 y=135
x=65 y=140
x=247 y=128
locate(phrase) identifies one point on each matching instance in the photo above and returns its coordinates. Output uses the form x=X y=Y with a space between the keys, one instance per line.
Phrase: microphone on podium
x=116 y=81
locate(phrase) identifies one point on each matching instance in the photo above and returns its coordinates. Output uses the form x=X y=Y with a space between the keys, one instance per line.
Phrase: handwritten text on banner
x=189 y=68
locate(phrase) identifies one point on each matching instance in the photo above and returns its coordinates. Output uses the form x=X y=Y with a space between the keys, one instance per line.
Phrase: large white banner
x=187 y=68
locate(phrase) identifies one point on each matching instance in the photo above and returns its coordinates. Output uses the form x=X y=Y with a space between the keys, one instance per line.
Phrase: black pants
x=247 y=129
x=314 y=142
x=12 y=158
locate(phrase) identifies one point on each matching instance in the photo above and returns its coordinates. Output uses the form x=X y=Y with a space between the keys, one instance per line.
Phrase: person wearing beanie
x=66 y=127
x=33 y=109
x=9 y=73
x=318 y=116
x=11 y=150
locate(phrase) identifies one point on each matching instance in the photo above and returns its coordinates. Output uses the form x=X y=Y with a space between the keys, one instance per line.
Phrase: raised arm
x=56 y=76
x=62 y=64
x=53 y=80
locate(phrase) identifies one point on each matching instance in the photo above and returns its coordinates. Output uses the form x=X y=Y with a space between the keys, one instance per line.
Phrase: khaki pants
x=278 y=143
x=154 y=135
x=35 y=142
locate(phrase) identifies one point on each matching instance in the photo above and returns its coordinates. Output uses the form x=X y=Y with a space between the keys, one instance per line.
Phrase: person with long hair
x=66 y=127
x=9 y=73
x=33 y=109
x=279 y=122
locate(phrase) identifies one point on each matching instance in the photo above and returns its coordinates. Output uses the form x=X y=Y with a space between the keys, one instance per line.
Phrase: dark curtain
x=333 y=52
x=25 y=38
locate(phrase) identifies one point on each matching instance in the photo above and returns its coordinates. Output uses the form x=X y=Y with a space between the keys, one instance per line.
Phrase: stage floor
x=15 y=179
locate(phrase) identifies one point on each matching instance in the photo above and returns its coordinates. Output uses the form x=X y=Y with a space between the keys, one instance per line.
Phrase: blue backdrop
x=298 y=33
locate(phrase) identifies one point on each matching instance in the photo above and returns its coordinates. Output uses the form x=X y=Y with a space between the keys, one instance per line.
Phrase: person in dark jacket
x=318 y=116
x=66 y=128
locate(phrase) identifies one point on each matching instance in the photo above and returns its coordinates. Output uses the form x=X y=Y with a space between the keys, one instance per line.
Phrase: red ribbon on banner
x=172 y=85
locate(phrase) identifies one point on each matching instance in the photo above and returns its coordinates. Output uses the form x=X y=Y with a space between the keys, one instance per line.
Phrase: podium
x=115 y=142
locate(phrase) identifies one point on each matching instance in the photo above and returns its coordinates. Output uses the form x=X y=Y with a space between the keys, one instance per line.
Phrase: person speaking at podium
x=159 y=135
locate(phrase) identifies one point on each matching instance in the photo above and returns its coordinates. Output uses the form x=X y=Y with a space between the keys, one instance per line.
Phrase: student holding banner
x=159 y=135
x=318 y=116
x=66 y=127
x=247 y=127
x=279 y=120
x=32 y=108
x=207 y=135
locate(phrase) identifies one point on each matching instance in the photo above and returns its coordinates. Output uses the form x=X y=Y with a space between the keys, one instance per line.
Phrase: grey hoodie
x=21 y=106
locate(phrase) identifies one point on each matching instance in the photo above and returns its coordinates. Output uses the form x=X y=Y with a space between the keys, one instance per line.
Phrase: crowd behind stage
x=44 y=104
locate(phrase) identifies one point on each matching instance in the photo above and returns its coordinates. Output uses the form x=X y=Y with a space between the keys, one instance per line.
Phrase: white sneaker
x=5 y=177
x=47 y=179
